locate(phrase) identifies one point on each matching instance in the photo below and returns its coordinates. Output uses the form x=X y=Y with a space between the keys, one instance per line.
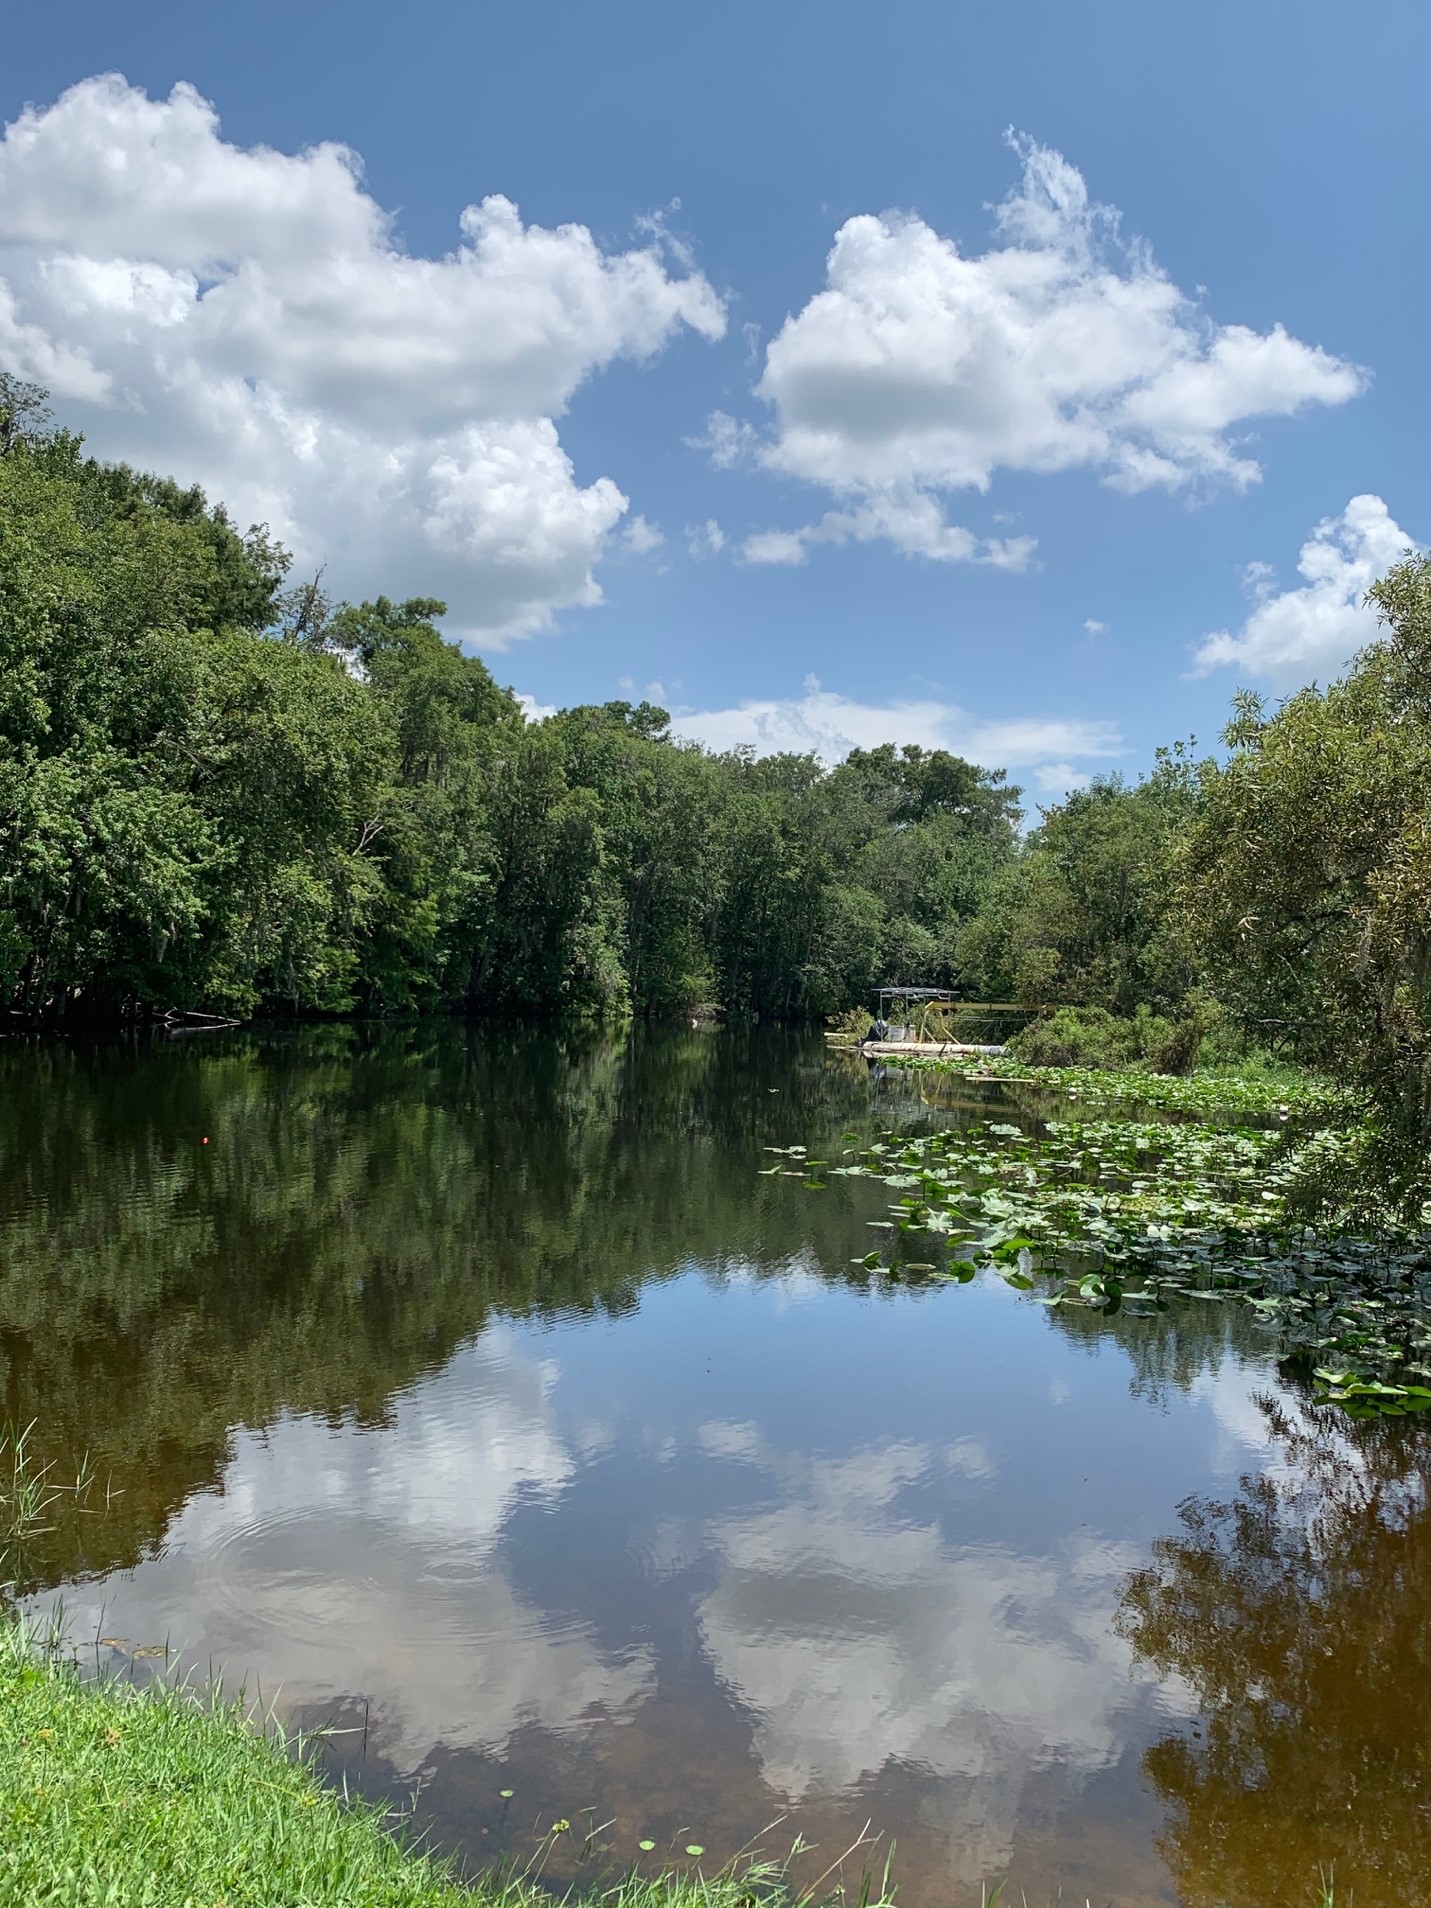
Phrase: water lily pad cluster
x=1133 y=1216
x=1211 y=1093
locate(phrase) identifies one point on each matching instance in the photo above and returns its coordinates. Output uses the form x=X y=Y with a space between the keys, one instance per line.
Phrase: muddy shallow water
x=472 y=1393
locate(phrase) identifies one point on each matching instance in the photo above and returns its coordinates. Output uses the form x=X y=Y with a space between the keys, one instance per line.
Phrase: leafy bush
x=1080 y=1037
x=1092 y=1037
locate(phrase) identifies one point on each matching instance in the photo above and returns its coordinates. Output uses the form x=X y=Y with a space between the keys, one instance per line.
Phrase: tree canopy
x=221 y=794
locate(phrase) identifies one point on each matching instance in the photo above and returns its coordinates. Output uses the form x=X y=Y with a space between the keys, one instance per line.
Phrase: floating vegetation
x=1210 y=1092
x=1133 y=1216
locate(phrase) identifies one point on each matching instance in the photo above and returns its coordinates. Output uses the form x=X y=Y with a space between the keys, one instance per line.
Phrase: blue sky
x=1019 y=467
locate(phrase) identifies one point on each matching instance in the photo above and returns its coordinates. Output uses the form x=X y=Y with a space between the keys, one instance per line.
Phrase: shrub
x=1092 y=1037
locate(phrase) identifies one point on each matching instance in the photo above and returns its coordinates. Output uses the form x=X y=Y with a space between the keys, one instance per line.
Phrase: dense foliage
x=1082 y=915
x=220 y=795
x=1307 y=876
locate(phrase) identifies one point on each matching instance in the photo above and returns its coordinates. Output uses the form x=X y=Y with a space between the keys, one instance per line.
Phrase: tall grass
x=30 y=1493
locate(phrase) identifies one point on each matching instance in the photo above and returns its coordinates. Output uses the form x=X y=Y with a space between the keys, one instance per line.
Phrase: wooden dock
x=925 y=1049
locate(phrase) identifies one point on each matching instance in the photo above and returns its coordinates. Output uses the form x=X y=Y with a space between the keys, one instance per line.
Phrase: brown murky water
x=472 y=1393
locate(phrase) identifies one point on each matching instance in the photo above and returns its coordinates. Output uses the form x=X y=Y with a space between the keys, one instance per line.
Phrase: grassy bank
x=116 y=1798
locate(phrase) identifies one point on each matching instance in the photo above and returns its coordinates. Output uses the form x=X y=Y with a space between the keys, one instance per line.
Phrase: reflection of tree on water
x=1300 y=1614
x=901 y=1091
x=1172 y=1350
x=368 y=1200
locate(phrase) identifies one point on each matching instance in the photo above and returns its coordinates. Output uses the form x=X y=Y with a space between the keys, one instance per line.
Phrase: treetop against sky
x=1014 y=384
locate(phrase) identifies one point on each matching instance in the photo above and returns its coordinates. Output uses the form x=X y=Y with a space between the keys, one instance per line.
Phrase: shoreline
x=112 y=1794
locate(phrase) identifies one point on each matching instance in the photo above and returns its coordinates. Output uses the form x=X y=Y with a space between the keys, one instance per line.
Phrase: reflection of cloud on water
x=1244 y=1437
x=722 y=1439
x=969 y=1457
x=342 y=1563
x=857 y=1639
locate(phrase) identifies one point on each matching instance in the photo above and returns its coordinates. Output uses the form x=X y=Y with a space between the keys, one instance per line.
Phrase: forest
x=222 y=793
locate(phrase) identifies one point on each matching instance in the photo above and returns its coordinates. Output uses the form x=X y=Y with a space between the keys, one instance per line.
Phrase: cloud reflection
x=348 y=1564
x=858 y=1637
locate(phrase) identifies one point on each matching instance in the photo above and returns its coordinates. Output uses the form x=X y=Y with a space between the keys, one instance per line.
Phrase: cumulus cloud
x=1295 y=635
x=775 y=547
x=1057 y=779
x=830 y=725
x=249 y=319
x=914 y=524
x=919 y=371
x=641 y=537
x=729 y=440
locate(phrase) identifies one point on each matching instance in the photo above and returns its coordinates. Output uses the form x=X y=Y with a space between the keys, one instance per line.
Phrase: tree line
x=223 y=794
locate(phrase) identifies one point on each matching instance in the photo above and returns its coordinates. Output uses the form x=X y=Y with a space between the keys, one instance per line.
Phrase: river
x=474 y=1393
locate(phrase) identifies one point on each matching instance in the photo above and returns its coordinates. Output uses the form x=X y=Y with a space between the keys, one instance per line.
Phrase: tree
x=222 y=793
x=1082 y=914
x=1307 y=877
x=24 y=413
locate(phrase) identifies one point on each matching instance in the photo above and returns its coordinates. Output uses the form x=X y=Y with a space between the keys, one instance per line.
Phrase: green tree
x=1306 y=879
x=220 y=793
x=661 y=806
x=1083 y=913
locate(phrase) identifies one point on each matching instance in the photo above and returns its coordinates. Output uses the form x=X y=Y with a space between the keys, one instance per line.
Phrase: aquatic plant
x=1132 y=1216
x=30 y=1492
x=1211 y=1092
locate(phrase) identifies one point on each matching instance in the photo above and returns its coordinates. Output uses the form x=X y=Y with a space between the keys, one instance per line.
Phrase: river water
x=474 y=1394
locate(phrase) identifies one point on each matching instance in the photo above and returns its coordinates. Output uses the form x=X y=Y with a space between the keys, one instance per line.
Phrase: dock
x=925 y=1049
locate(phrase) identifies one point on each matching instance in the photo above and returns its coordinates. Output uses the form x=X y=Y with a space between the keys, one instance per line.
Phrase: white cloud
x=1316 y=629
x=641 y=537
x=534 y=711
x=248 y=319
x=773 y=547
x=705 y=539
x=918 y=371
x=1092 y=627
x=729 y=440
x=831 y=725
x=913 y=523
x=1057 y=779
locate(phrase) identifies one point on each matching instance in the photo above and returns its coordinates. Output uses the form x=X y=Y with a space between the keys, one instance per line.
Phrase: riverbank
x=114 y=1797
